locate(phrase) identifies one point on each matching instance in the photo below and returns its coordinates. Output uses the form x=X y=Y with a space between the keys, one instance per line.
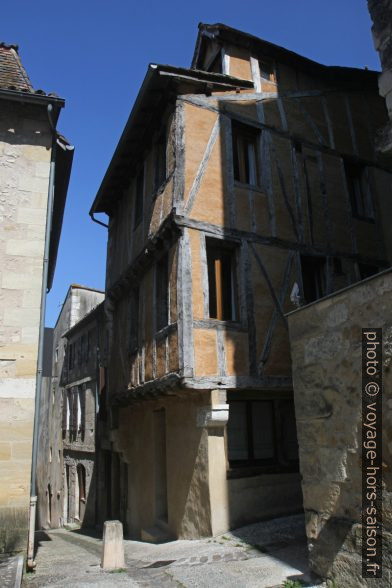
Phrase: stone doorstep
x=11 y=571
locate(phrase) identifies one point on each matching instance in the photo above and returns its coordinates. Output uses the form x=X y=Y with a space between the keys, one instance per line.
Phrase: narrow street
x=261 y=555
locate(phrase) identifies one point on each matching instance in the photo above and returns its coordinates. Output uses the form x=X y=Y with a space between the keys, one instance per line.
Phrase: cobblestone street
x=261 y=555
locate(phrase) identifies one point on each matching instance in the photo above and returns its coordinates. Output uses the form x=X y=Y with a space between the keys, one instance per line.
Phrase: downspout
x=95 y=220
x=49 y=211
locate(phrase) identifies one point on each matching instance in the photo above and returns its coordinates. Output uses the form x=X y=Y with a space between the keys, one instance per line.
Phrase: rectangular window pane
x=237 y=435
x=263 y=430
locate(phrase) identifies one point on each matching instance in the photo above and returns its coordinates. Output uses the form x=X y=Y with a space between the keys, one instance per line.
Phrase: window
x=313 y=277
x=245 y=154
x=262 y=433
x=221 y=280
x=267 y=70
x=359 y=191
x=139 y=195
x=162 y=293
x=134 y=320
x=160 y=160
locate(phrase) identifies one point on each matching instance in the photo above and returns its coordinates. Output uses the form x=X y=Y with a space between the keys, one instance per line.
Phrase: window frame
x=217 y=282
x=252 y=465
x=245 y=165
x=271 y=74
x=319 y=276
x=358 y=186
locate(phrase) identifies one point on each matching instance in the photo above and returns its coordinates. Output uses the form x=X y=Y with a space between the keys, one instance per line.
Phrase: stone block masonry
x=326 y=349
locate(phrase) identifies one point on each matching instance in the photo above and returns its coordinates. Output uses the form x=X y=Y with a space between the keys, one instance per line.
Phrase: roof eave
x=157 y=72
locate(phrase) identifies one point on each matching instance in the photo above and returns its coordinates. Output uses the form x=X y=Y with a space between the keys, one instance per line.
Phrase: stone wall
x=25 y=151
x=78 y=302
x=381 y=14
x=326 y=356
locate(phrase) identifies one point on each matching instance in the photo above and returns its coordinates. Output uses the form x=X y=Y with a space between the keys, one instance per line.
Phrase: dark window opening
x=134 y=320
x=313 y=277
x=139 y=195
x=162 y=293
x=216 y=65
x=359 y=191
x=245 y=154
x=267 y=70
x=262 y=433
x=367 y=270
x=160 y=160
x=81 y=481
x=221 y=280
x=337 y=266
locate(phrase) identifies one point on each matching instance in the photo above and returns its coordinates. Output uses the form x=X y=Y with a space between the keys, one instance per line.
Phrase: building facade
x=240 y=188
x=67 y=418
x=35 y=164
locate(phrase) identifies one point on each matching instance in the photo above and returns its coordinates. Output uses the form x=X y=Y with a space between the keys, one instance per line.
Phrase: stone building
x=326 y=349
x=35 y=165
x=67 y=416
x=240 y=188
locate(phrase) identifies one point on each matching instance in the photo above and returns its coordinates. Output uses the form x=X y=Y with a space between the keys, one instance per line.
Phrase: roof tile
x=13 y=75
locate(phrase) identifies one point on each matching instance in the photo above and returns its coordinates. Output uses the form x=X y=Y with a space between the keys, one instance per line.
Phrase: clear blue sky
x=94 y=53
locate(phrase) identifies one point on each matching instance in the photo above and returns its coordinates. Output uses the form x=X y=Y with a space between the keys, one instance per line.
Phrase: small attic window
x=267 y=70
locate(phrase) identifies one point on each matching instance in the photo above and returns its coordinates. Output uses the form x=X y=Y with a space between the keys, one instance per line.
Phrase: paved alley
x=261 y=555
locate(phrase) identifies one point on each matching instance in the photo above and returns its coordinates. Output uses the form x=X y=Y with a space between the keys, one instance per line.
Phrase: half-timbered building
x=240 y=188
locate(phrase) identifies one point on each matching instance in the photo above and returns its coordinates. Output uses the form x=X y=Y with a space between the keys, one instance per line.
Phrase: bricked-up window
x=245 y=153
x=262 y=433
x=267 y=70
x=160 y=160
x=313 y=277
x=359 y=191
x=139 y=196
x=221 y=262
x=134 y=320
x=162 y=292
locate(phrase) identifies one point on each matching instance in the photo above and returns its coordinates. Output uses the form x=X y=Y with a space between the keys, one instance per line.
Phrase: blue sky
x=94 y=53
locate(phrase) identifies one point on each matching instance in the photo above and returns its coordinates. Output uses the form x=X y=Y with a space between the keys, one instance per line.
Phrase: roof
x=223 y=33
x=15 y=85
x=160 y=82
x=13 y=75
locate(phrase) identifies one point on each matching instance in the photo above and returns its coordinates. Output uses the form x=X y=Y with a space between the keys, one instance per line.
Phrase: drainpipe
x=33 y=489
